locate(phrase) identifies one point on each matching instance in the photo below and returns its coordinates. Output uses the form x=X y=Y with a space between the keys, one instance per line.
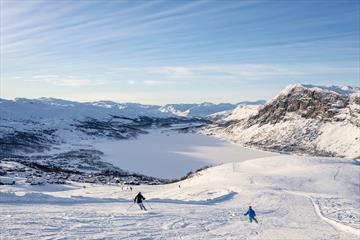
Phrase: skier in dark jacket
x=138 y=199
x=251 y=214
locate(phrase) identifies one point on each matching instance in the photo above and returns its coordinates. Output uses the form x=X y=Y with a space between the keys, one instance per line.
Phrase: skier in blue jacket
x=251 y=214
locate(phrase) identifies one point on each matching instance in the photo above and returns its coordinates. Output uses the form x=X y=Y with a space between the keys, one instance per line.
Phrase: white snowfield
x=294 y=198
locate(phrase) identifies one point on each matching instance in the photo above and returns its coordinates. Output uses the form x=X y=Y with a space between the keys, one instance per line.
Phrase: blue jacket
x=251 y=213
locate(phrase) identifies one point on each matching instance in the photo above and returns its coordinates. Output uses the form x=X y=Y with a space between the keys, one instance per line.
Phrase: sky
x=158 y=52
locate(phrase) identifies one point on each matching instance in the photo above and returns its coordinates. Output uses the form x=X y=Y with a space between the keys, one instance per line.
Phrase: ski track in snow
x=164 y=221
x=333 y=223
x=287 y=193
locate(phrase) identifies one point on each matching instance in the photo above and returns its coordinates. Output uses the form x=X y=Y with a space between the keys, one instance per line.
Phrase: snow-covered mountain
x=59 y=108
x=51 y=108
x=301 y=118
x=205 y=109
x=54 y=135
x=197 y=110
x=36 y=125
x=57 y=137
x=52 y=121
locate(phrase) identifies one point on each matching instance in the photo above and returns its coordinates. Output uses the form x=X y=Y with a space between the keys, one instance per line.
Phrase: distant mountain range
x=55 y=108
x=54 y=136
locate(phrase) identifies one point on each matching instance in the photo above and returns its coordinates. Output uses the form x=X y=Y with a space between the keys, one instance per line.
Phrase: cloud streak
x=65 y=81
x=235 y=71
x=183 y=45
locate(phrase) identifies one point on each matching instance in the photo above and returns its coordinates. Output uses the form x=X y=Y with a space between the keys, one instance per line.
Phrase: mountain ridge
x=129 y=108
x=301 y=118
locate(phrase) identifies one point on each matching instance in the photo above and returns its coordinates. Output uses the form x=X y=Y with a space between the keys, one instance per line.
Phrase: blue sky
x=175 y=51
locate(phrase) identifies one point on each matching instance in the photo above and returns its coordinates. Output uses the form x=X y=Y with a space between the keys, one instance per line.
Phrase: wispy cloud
x=233 y=71
x=176 y=71
x=157 y=82
x=44 y=32
x=66 y=81
x=45 y=76
x=203 y=45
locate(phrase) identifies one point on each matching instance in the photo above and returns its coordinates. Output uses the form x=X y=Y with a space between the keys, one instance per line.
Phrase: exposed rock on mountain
x=302 y=118
x=307 y=102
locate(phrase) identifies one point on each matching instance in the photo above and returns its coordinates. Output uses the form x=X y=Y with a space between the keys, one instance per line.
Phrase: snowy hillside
x=294 y=198
x=56 y=138
x=302 y=118
x=37 y=125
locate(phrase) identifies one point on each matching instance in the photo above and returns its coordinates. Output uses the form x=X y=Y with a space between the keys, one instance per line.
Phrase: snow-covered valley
x=70 y=170
x=170 y=155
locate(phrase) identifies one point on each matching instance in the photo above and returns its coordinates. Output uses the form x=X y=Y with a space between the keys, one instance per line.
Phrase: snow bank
x=38 y=197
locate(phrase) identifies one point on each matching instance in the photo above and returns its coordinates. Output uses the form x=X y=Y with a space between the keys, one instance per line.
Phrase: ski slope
x=294 y=198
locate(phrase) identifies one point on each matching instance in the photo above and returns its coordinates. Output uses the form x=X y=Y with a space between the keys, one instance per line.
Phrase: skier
x=251 y=214
x=138 y=199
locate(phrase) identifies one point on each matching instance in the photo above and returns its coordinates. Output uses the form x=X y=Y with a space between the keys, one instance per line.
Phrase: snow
x=293 y=197
x=242 y=113
x=6 y=180
x=197 y=110
x=335 y=224
x=170 y=155
x=50 y=108
x=340 y=137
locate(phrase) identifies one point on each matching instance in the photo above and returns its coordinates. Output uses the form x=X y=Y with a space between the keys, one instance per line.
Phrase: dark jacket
x=139 y=198
x=251 y=213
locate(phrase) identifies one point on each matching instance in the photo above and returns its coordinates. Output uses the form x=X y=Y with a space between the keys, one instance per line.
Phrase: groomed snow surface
x=294 y=198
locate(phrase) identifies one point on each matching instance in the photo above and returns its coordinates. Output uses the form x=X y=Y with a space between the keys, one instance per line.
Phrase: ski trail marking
x=335 y=224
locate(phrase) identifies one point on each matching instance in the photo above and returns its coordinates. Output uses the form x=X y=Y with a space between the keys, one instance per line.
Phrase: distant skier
x=138 y=199
x=251 y=214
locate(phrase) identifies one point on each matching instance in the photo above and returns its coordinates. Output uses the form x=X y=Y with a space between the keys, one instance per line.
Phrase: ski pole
x=148 y=204
x=130 y=207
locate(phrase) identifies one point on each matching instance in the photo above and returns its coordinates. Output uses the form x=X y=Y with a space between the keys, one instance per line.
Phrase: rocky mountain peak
x=306 y=101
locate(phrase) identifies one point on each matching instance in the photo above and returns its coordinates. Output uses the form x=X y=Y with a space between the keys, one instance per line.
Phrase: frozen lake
x=172 y=155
